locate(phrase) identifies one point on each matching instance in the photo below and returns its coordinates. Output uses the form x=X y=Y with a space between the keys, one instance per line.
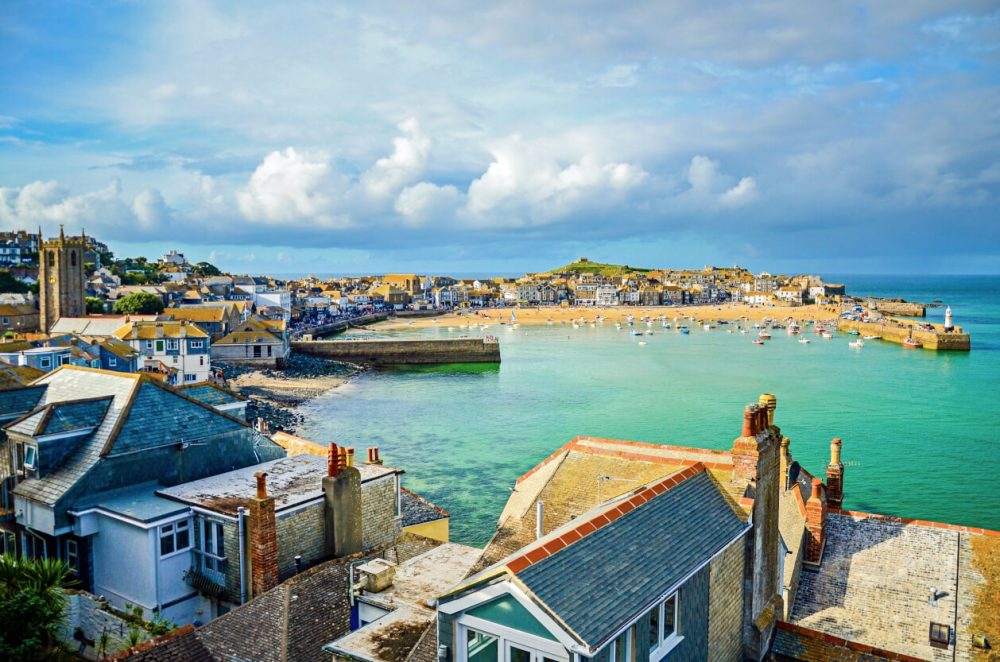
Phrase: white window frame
x=539 y=647
x=112 y=362
x=33 y=464
x=667 y=644
x=196 y=344
x=174 y=528
x=208 y=527
x=45 y=361
x=173 y=344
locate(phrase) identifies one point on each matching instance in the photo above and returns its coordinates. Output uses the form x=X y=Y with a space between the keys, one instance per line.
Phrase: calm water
x=920 y=428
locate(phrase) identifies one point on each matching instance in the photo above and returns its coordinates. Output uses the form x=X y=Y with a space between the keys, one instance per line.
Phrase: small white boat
x=706 y=326
x=804 y=341
x=764 y=335
x=758 y=342
x=827 y=335
x=873 y=337
x=641 y=343
x=649 y=332
x=857 y=344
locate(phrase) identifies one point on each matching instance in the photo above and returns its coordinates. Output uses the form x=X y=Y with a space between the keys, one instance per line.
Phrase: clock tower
x=61 y=280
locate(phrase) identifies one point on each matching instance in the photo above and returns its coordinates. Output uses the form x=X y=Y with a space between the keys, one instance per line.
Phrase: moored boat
x=857 y=344
x=912 y=343
x=758 y=341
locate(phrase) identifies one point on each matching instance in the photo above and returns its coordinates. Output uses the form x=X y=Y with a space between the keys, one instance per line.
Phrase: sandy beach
x=559 y=315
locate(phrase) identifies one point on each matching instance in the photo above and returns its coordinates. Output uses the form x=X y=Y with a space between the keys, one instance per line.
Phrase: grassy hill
x=599 y=268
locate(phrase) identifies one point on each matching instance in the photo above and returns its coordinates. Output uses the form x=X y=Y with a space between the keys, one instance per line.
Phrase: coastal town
x=148 y=445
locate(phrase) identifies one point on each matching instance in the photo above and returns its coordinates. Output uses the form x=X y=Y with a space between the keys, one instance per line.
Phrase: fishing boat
x=636 y=333
x=706 y=326
x=853 y=332
x=758 y=341
x=872 y=337
x=764 y=335
x=912 y=343
x=794 y=329
x=683 y=329
x=827 y=335
x=857 y=344
x=804 y=341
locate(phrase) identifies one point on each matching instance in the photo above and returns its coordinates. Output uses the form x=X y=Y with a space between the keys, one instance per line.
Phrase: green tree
x=10 y=284
x=95 y=306
x=206 y=269
x=139 y=303
x=32 y=606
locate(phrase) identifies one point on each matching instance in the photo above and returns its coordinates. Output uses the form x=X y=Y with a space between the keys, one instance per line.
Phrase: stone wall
x=725 y=604
x=908 y=308
x=86 y=618
x=897 y=332
x=380 y=522
x=300 y=533
x=403 y=352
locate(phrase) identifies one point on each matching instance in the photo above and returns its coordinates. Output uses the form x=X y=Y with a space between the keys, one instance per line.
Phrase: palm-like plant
x=32 y=605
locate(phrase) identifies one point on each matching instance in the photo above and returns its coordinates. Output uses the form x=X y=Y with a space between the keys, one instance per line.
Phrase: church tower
x=61 y=282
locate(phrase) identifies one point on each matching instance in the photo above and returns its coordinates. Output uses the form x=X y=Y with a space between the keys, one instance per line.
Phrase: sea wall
x=899 y=307
x=403 y=352
x=897 y=331
x=343 y=325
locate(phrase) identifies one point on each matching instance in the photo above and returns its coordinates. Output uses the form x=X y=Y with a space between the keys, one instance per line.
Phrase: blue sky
x=466 y=137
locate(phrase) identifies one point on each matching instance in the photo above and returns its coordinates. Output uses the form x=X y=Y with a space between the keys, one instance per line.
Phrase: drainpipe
x=242 y=527
x=350 y=576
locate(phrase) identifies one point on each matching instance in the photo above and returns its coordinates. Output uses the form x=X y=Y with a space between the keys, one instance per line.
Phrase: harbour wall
x=343 y=325
x=906 y=308
x=403 y=352
x=897 y=331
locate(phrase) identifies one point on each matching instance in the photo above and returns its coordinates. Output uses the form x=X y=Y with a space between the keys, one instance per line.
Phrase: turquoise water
x=920 y=428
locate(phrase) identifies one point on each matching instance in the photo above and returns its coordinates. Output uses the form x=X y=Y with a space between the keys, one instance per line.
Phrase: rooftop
x=139 y=503
x=290 y=480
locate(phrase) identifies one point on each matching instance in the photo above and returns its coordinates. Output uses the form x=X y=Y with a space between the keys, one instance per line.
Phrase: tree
x=10 y=284
x=32 y=606
x=207 y=269
x=139 y=303
x=95 y=306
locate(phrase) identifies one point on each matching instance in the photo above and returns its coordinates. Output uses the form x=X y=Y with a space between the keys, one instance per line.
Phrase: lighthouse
x=947 y=318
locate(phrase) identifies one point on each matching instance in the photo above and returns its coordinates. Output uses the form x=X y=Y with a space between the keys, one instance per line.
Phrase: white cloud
x=744 y=192
x=536 y=188
x=49 y=205
x=150 y=209
x=425 y=202
x=708 y=185
x=404 y=166
x=288 y=186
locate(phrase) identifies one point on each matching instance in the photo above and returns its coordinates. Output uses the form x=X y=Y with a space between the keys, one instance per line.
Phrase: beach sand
x=559 y=315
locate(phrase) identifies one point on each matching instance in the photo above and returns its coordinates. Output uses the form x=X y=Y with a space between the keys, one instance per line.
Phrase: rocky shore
x=274 y=395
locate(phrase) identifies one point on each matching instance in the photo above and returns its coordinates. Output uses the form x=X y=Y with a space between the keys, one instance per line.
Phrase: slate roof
x=156 y=330
x=418 y=510
x=141 y=413
x=248 y=338
x=210 y=394
x=61 y=417
x=602 y=580
x=18 y=402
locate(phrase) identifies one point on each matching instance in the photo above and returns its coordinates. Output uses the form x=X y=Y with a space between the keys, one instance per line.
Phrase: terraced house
x=178 y=352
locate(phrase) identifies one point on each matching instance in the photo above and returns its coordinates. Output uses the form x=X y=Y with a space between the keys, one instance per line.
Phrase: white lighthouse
x=947 y=318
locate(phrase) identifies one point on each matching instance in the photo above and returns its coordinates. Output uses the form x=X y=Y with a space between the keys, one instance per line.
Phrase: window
x=112 y=362
x=480 y=647
x=73 y=555
x=159 y=346
x=30 y=458
x=175 y=537
x=940 y=635
x=45 y=362
x=149 y=344
x=173 y=343
x=196 y=344
x=664 y=627
x=52 y=258
x=190 y=378
x=6 y=321
x=213 y=546
x=72 y=258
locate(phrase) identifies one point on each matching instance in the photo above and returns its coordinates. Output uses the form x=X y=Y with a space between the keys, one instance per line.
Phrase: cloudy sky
x=456 y=137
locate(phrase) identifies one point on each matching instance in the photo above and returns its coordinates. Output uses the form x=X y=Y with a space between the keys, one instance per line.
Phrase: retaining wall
x=403 y=352
x=897 y=332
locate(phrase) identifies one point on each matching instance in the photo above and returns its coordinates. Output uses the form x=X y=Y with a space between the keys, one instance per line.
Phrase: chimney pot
x=261 y=484
x=332 y=463
x=748 y=422
x=816 y=485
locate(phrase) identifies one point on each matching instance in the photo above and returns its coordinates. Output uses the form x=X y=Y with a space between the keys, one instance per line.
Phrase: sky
x=445 y=137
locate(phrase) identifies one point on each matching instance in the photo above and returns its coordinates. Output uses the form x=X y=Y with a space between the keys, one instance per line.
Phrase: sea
x=920 y=429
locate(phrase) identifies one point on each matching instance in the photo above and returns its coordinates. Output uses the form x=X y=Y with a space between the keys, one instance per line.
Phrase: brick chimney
x=756 y=457
x=263 y=542
x=816 y=522
x=342 y=504
x=835 y=477
x=373 y=456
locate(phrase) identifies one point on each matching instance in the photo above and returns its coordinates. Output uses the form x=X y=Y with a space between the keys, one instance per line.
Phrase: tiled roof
x=155 y=330
x=158 y=417
x=71 y=383
x=198 y=314
x=418 y=510
x=119 y=348
x=20 y=401
x=601 y=571
x=210 y=394
x=61 y=417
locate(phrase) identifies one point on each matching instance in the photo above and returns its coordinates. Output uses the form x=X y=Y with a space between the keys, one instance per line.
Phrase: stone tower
x=61 y=281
